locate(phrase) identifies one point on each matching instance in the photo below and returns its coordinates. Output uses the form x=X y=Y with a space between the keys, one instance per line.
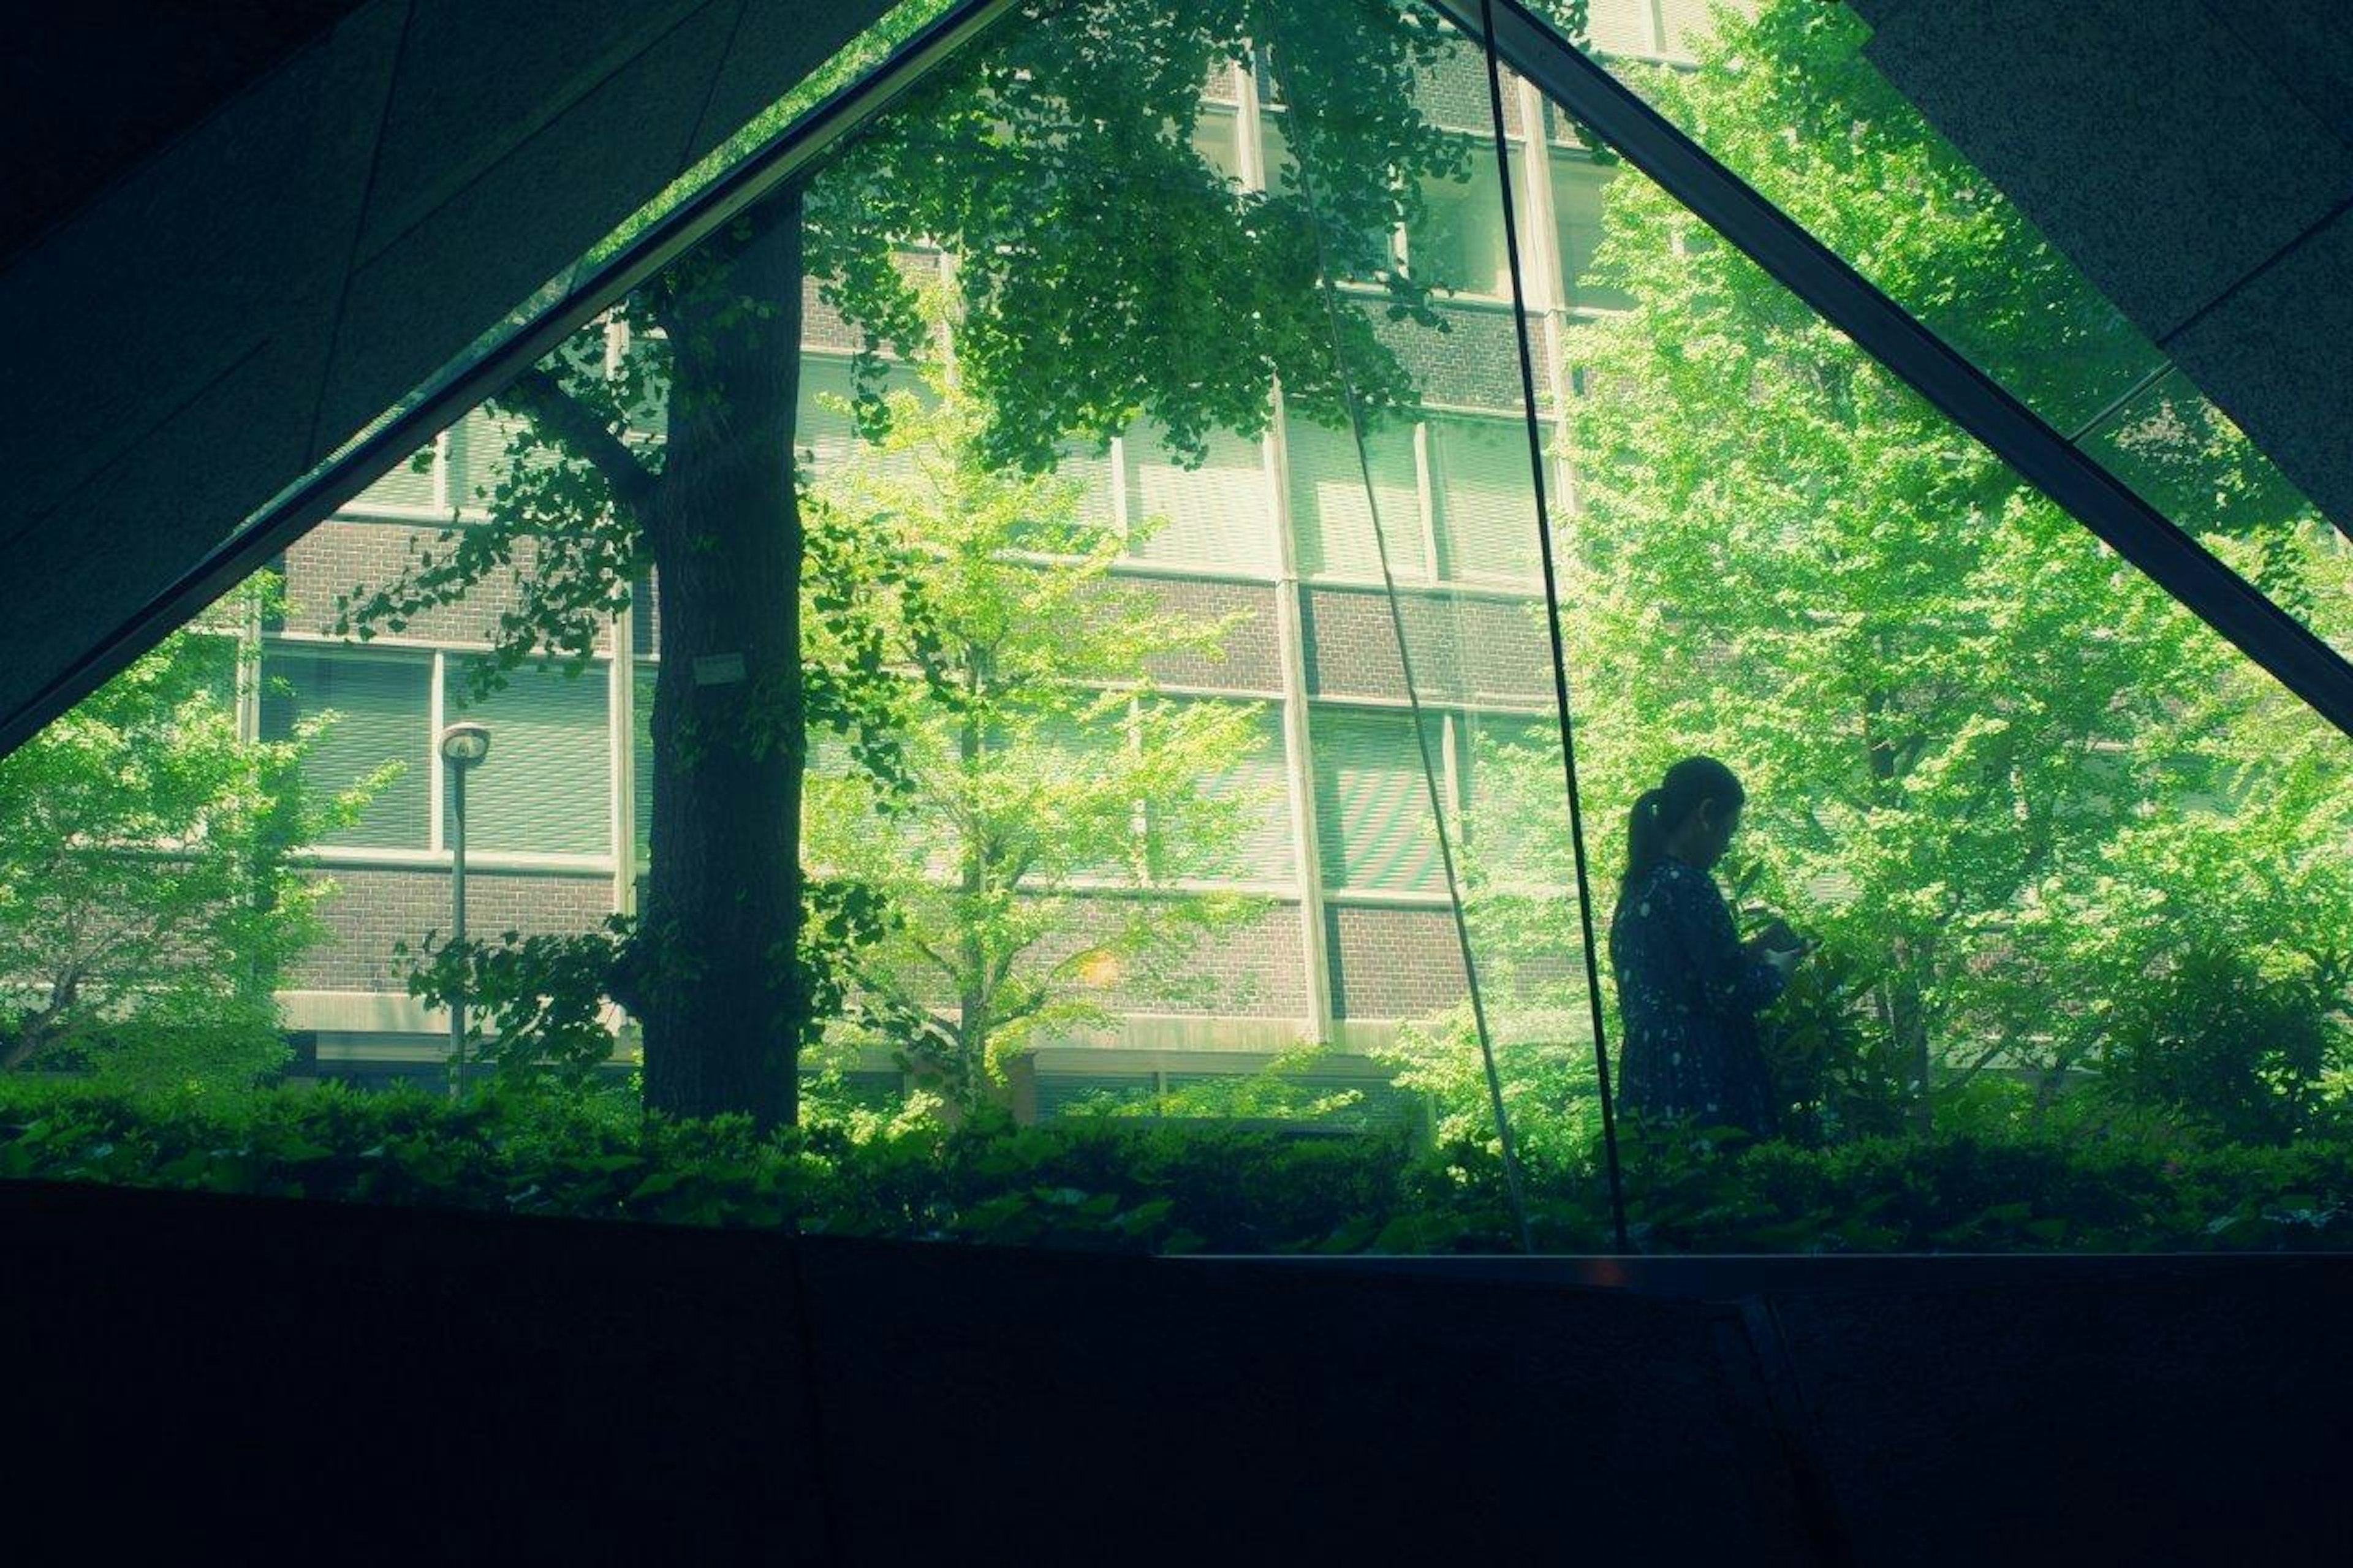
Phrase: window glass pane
x=1357 y=253
x=1070 y=1094
x=1217 y=137
x=1246 y=837
x=382 y=715
x=408 y=487
x=2055 y=850
x=1784 y=95
x=1683 y=23
x=2186 y=458
x=1093 y=473
x=546 y=787
x=1486 y=511
x=1579 y=190
x=478 y=458
x=1458 y=243
x=1620 y=27
x=1372 y=802
x=1516 y=814
x=1329 y=514
x=823 y=429
x=641 y=724
x=1216 y=515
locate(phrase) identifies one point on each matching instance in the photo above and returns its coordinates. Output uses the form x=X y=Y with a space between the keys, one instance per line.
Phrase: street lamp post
x=463 y=748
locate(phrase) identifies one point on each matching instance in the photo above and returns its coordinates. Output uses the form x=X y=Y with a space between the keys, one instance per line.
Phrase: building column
x=1291 y=643
x=1299 y=773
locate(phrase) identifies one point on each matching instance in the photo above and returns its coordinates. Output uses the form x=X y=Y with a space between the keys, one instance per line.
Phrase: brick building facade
x=1356 y=934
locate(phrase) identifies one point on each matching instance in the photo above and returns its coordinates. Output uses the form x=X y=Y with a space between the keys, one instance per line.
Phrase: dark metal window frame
x=2135 y=530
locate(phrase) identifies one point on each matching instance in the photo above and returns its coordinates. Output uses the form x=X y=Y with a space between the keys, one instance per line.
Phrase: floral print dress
x=1689 y=997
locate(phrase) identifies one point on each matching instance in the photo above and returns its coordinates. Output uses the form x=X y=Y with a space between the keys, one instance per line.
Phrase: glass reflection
x=2071 y=869
x=1045 y=625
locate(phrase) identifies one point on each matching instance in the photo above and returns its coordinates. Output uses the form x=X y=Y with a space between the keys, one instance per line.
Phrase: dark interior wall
x=285 y=268
x=272 y=1380
x=2195 y=159
x=90 y=91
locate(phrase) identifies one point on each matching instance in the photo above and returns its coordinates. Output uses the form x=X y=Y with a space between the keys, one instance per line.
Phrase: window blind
x=1372 y=805
x=1329 y=515
x=1486 y=498
x=381 y=706
x=1216 y=515
x=547 y=786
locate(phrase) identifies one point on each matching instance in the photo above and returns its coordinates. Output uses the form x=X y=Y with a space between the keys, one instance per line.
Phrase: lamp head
x=464 y=745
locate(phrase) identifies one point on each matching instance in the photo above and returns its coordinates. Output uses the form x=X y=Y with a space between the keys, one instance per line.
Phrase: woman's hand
x=1778 y=946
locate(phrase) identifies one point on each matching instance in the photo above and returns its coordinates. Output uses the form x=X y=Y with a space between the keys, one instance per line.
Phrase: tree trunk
x=720 y=987
x=1907 y=1016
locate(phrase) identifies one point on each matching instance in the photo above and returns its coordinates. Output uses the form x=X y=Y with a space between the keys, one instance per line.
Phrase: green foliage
x=2003 y=780
x=1033 y=746
x=1053 y=144
x=1144 y=1187
x=2221 y=1041
x=1836 y=1079
x=536 y=1005
x=1548 y=1089
x=149 y=904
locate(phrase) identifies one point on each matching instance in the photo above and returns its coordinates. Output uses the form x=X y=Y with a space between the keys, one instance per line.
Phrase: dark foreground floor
x=216 y=1377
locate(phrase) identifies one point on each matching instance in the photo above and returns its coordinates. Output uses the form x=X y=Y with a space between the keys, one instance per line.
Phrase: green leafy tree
x=1105 y=272
x=148 y=902
x=1035 y=753
x=2005 y=778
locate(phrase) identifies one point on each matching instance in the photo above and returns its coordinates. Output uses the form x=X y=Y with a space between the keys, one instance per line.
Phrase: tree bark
x=719 y=986
x=1907 y=1013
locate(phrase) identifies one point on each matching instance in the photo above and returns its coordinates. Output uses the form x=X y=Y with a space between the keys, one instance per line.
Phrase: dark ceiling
x=270 y=223
x=91 y=90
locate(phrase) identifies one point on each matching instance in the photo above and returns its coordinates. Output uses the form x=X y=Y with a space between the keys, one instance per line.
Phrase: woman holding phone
x=1688 y=989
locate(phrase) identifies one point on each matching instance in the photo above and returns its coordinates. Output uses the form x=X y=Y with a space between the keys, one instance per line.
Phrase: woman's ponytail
x=1646 y=838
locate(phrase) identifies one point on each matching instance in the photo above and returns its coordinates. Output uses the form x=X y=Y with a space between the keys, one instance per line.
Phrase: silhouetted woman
x=1688 y=989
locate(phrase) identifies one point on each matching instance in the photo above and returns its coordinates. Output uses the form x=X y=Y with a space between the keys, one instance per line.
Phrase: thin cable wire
x=1413 y=701
x=1552 y=623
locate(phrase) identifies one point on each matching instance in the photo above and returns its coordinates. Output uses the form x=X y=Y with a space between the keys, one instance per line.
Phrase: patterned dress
x=1689 y=998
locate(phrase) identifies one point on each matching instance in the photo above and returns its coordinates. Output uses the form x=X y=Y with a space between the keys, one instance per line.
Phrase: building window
x=821 y=426
x=1516 y=818
x=641 y=741
x=1331 y=515
x=413 y=484
x=1356 y=256
x=1577 y=198
x=379 y=704
x=1217 y=137
x=1459 y=242
x=475 y=457
x=1255 y=789
x=1485 y=499
x=1215 y=516
x=547 y=787
x=1372 y=802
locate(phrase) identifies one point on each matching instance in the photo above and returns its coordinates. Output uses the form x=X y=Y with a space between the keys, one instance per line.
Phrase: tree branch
x=572 y=422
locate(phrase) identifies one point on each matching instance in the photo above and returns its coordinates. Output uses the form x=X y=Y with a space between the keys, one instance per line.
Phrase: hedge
x=1142 y=1186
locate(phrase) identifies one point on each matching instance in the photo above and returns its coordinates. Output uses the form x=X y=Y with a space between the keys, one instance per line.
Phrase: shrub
x=1142 y=1186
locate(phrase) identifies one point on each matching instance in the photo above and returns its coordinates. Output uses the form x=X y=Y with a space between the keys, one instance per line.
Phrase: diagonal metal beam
x=2144 y=536
x=457 y=389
